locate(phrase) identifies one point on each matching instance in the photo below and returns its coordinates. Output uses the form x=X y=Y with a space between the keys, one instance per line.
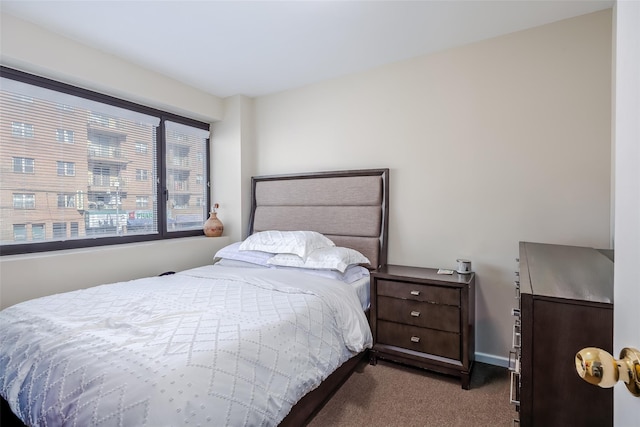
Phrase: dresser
x=424 y=319
x=565 y=303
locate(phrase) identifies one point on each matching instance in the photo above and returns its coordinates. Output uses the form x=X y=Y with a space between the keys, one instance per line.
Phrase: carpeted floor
x=390 y=394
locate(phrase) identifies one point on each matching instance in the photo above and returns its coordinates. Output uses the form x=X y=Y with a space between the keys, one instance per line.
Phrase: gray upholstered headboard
x=349 y=207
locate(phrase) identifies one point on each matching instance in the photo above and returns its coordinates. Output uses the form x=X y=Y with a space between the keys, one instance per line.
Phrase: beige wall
x=488 y=144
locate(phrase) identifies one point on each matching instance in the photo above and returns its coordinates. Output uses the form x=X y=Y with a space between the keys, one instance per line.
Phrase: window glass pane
x=74 y=229
x=87 y=155
x=23 y=165
x=19 y=232
x=37 y=231
x=185 y=161
x=60 y=230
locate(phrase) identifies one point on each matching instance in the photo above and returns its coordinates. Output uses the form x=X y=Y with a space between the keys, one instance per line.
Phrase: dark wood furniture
x=424 y=319
x=566 y=305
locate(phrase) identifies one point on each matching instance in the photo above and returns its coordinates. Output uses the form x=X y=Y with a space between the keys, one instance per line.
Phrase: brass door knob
x=598 y=367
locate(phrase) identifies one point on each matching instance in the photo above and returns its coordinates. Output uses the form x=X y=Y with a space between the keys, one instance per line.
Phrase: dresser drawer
x=418 y=292
x=418 y=313
x=424 y=340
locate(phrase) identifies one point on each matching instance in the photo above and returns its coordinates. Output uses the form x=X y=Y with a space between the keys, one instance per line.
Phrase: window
x=23 y=98
x=24 y=201
x=37 y=231
x=74 y=229
x=23 y=165
x=66 y=169
x=140 y=176
x=63 y=108
x=183 y=167
x=66 y=200
x=141 y=148
x=63 y=135
x=23 y=130
x=60 y=230
x=19 y=232
x=142 y=202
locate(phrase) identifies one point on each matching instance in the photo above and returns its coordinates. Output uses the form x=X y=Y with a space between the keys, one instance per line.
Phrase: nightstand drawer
x=417 y=313
x=418 y=292
x=424 y=340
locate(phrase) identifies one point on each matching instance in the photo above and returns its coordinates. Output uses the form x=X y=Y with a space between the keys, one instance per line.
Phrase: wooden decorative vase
x=213 y=226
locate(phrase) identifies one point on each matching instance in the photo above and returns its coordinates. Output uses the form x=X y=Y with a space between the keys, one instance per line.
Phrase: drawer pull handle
x=415 y=313
x=416 y=293
x=415 y=339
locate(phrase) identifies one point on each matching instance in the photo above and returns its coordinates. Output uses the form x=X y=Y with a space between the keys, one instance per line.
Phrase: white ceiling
x=255 y=48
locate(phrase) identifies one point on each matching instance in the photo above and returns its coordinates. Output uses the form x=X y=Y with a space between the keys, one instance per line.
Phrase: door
x=626 y=125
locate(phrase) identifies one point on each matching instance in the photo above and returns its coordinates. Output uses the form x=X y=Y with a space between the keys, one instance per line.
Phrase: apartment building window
x=37 y=231
x=67 y=200
x=66 y=168
x=64 y=108
x=74 y=229
x=141 y=148
x=140 y=176
x=142 y=202
x=64 y=135
x=24 y=201
x=24 y=98
x=19 y=232
x=22 y=130
x=23 y=165
x=59 y=230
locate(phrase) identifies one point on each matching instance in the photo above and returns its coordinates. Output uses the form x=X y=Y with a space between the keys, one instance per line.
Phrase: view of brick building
x=71 y=171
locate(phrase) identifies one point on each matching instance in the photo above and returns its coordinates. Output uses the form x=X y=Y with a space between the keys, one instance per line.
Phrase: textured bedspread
x=208 y=346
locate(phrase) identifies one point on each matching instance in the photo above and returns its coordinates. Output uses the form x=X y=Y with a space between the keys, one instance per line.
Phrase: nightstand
x=424 y=319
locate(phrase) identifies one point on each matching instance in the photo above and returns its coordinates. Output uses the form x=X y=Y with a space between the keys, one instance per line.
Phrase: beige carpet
x=390 y=394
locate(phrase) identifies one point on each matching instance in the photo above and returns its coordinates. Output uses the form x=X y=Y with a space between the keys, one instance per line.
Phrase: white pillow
x=335 y=258
x=300 y=243
x=233 y=252
x=352 y=274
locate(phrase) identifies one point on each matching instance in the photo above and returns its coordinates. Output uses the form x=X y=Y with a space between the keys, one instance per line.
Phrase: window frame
x=24 y=165
x=163 y=233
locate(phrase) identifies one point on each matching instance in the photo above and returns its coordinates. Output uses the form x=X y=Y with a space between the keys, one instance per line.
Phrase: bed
x=167 y=350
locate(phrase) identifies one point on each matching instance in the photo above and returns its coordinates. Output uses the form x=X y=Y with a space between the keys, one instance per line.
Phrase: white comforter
x=208 y=346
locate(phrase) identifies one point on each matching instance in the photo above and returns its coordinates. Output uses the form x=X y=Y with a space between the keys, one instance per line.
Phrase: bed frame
x=349 y=207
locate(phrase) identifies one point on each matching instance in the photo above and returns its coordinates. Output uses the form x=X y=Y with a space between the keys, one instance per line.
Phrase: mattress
x=208 y=346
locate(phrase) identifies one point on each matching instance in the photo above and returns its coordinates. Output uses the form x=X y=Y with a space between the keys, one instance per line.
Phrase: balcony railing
x=105 y=153
x=107 y=181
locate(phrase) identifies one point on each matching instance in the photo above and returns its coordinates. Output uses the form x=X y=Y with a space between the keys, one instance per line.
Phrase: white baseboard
x=491 y=359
